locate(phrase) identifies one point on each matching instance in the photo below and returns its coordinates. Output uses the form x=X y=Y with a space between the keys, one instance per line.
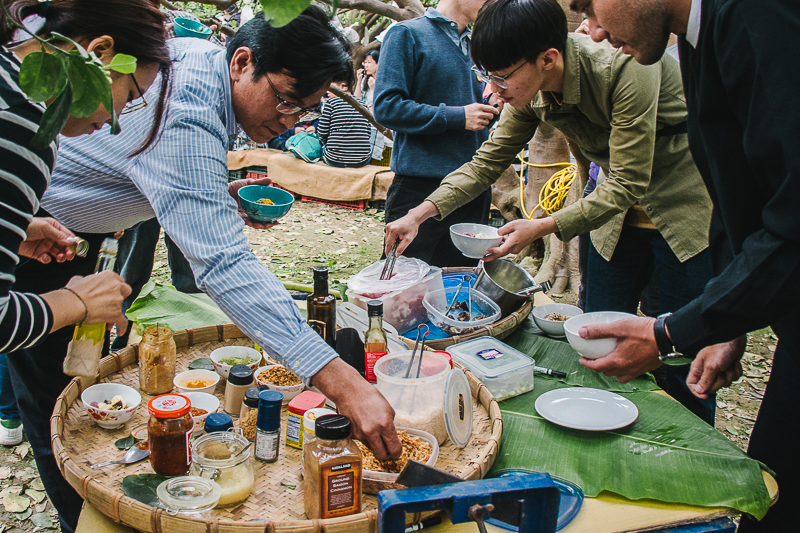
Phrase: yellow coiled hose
x=554 y=192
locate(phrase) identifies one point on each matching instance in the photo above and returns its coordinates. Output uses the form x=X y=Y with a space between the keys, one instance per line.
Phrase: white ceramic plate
x=588 y=409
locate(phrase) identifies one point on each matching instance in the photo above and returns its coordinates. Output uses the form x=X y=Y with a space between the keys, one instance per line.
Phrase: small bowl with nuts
x=551 y=317
x=281 y=379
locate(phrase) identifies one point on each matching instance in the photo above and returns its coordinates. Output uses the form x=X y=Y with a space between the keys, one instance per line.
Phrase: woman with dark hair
x=105 y=28
x=365 y=78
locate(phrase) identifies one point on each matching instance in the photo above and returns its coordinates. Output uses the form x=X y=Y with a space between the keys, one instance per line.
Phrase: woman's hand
x=520 y=233
x=103 y=294
x=46 y=237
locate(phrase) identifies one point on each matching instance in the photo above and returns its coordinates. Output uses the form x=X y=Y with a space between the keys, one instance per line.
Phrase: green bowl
x=191 y=28
x=263 y=213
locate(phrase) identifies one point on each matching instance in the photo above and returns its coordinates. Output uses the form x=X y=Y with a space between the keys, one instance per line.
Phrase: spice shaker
x=294 y=415
x=332 y=470
x=309 y=424
x=268 y=425
x=240 y=379
x=249 y=413
x=216 y=422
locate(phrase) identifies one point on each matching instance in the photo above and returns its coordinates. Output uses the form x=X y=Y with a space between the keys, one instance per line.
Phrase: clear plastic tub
x=436 y=303
x=418 y=402
x=404 y=309
x=506 y=372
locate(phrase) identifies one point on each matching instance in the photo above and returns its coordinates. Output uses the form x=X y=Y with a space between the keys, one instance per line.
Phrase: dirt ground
x=346 y=241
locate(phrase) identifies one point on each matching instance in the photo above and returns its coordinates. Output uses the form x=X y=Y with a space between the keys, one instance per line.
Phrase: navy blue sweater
x=423 y=82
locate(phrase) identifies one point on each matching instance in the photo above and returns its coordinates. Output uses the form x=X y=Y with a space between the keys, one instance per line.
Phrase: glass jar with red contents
x=169 y=430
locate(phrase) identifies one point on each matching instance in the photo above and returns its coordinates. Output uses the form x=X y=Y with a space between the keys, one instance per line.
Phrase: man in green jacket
x=650 y=207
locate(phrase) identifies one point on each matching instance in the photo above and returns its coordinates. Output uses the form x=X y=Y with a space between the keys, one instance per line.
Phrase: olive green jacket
x=611 y=108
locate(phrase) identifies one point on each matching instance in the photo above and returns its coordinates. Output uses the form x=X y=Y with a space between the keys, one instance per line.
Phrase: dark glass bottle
x=322 y=307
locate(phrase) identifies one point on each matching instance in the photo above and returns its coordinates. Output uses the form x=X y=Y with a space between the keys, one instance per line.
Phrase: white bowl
x=289 y=391
x=592 y=348
x=554 y=328
x=183 y=378
x=105 y=418
x=474 y=247
x=202 y=400
x=233 y=351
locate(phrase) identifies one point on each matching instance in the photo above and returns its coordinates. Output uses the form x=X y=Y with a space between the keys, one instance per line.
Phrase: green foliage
x=142 y=487
x=282 y=12
x=125 y=442
x=40 y=76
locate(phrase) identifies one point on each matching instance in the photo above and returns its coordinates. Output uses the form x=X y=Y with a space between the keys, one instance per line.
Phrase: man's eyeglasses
x=131 y=107
x=288 y=108
x=500 y=81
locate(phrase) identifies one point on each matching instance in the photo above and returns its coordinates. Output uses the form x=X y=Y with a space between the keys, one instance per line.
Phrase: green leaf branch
x=76 y=81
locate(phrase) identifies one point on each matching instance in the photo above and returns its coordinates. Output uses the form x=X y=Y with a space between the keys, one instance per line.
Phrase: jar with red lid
x=169 y=431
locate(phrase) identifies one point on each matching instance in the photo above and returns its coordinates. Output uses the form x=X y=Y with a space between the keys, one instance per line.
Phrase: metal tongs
x=388 y=266
x=420 y=336
x=468 y=280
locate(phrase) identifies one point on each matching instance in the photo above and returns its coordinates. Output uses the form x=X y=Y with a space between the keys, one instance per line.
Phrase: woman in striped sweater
x=105 y=27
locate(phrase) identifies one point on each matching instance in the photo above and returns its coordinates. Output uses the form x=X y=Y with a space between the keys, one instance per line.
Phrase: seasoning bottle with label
x=85 y=348
x=268 y=425
x=375 y=343
x=249 y=413
x=294 y=415
x=169 y=431
x=332 y=470
x=322 y=307
x=240 y=378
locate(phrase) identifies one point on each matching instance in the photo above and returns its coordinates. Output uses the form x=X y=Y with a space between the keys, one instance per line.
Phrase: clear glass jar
x=157 y=359
x=189 y=496
x=224 y=457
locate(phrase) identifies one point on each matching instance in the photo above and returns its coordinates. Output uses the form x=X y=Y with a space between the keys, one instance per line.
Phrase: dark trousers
x=776 y=434
x=616 y=285
x=38 y=379
x=135 y=257
x=433 y=244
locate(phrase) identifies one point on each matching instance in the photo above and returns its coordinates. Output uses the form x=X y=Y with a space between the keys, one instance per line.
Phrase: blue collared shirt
x=451 y=29
x=183 y=180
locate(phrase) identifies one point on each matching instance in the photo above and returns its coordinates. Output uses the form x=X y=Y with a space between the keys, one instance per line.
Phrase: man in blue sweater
x=426 y=92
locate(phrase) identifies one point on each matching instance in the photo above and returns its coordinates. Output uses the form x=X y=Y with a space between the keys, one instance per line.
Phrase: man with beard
x=744 y=139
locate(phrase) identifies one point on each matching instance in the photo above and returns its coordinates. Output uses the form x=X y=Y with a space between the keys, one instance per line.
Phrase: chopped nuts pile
x=413 y=448
x=280 y=376
x=556 y=317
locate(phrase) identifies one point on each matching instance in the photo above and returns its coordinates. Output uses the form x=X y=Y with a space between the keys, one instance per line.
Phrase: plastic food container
x=404 y=309
x=418 y=402
x=436 y=304
x=506 y=372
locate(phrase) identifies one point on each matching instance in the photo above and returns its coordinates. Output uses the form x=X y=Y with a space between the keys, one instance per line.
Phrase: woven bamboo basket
x=273 y=506
x=499 y=330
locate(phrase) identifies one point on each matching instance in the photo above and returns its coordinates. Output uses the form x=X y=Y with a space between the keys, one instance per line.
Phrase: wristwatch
x=667 y=353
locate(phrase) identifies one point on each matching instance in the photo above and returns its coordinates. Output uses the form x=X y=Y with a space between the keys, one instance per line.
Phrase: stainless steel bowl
x=507 y=284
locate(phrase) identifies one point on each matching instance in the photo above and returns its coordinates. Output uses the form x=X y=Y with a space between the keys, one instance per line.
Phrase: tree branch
x=374 y=32
x=414 y=8
x=225 y=30
x=170 y=6
x=221 y=4
x=363 y=111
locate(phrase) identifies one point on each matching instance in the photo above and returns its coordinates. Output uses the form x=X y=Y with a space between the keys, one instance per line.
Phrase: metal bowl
x=507 y=284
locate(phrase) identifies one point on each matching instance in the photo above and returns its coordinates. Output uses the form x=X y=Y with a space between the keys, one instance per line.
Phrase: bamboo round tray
x=273 y=507
x=499 y=330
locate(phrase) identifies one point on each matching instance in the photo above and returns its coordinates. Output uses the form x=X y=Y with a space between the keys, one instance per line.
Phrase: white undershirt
x=693 y=28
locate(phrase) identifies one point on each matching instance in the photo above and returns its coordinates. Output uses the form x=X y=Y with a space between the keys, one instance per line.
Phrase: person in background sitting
x=344 y=134
x=279 y=142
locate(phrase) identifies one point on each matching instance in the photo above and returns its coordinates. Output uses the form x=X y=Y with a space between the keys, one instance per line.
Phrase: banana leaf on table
x=667 y=454
x=163 y=304
x=559 y=355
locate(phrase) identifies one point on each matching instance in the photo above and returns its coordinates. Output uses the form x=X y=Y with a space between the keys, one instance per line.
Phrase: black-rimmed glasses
x=135 y=106
x=288 y=108
x=500 y=81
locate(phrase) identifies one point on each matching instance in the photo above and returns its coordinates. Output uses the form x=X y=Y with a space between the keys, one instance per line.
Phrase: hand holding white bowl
x=592 y=347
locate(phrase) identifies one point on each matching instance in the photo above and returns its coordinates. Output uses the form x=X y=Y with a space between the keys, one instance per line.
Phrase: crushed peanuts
x=280 y=376
x=248 y=424
x=413 y=448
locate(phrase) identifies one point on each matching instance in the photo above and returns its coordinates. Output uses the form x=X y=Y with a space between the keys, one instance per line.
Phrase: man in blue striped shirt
x=270 y=76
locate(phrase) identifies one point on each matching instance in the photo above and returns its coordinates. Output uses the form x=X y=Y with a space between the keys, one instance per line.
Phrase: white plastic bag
x=407 y=271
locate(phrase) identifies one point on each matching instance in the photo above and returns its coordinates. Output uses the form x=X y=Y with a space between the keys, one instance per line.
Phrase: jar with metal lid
x=240 y=378
x=157 y=359
x=224 y=457
x=189 y=496
x=169 y=431
x=249 y=414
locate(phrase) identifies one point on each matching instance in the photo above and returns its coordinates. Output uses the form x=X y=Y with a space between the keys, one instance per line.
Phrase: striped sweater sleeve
x=25 y=319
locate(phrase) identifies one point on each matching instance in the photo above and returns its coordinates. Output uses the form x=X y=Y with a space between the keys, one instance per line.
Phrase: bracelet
x=85 y=308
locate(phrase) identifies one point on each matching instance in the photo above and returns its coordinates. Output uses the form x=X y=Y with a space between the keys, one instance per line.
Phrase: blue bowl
x=263 y=213
x=191 y=28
